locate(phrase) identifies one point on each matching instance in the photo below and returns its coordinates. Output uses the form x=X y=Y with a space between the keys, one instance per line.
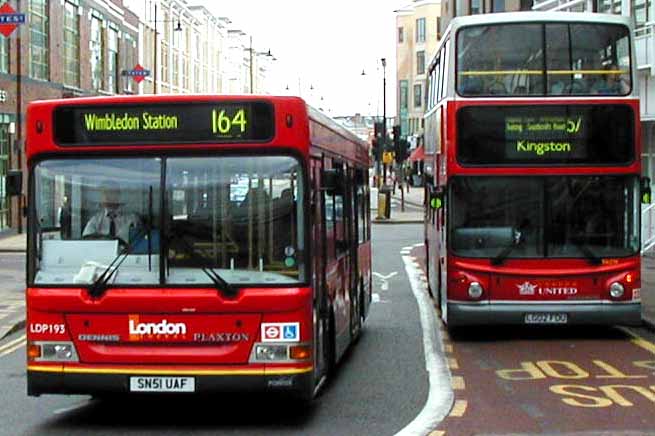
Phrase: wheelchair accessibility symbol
x=280 y=331
x=290 y=332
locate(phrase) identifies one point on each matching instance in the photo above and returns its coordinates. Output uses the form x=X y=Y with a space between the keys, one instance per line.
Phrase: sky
x=324 y=45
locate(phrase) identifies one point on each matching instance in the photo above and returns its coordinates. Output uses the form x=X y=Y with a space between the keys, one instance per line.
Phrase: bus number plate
x=162 y=384
x=546 y=318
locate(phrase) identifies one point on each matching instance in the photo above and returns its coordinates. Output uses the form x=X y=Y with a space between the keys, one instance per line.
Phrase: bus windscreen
x=558 y=134
x=166 y=123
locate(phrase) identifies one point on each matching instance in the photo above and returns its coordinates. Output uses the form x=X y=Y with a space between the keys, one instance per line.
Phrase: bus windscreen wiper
x=218 y=281
x=516 y=241
x=98 y=287
x=588 y=252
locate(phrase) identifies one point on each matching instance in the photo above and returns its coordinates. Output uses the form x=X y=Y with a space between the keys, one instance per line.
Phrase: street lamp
x=268 y=54
x=178 y=28
x=384 y=115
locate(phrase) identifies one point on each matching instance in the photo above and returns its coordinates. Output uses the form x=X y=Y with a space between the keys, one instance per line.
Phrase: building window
x=4 y=168
x=71 y=44
x=38 y=22
x=498 y=5
x=526 y=5
x=176 y=67
x=165 y=60
x=130 y=61
x=112 y=60
x=609 y=7
x=96 y=50
x=420 y=30
x=420 y=62
x=4 y=54
x=475 y=6
x=401 y=35
x=418 y=95
x=641 y=10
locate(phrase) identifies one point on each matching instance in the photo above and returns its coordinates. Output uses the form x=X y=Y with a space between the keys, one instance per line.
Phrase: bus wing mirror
x=645 y=192
x=14 y=183
x=436 y=199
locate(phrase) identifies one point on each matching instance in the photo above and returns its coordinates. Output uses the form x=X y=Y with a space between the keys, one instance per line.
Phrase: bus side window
x=328 y=202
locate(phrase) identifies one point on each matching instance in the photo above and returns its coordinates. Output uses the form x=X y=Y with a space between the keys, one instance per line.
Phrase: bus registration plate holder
x=546 y=318
x=162 y=384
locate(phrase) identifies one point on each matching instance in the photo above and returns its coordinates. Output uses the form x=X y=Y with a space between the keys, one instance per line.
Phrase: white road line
x=440 y=395
x=73 y=407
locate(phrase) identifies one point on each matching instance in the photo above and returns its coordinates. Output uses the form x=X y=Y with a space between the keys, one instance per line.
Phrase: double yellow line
x=12 y=346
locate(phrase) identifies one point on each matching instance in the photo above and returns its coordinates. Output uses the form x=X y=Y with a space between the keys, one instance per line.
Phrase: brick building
x=66 y=48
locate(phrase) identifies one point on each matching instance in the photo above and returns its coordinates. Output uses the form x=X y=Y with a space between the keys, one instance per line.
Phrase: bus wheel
x=331 y=342
x=357 y=314
x=427 y=269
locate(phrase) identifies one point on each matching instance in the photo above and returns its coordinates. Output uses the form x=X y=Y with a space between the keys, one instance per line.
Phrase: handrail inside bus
x=535 y=72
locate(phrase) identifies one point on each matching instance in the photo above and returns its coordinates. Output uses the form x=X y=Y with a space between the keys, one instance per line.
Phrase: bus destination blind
x=581 y=134
x=155 y=124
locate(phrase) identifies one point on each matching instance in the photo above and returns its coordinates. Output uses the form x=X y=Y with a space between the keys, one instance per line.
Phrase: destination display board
x=553 y=134
x=166 y=123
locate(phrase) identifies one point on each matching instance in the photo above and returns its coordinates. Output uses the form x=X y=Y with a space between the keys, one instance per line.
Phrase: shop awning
x=418 y=154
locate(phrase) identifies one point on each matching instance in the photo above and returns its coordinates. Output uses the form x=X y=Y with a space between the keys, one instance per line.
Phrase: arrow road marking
x=387 y=277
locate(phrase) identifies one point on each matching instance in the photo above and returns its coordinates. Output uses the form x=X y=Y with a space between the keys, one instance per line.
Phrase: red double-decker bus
x=192 y=244
x=533 y=131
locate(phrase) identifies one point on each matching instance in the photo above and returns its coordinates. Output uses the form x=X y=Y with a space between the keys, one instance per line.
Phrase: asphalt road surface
x=379 y=389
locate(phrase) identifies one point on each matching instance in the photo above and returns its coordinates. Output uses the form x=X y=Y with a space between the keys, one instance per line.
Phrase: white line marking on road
x=73 y=407
x=383 y=277
x=440 y=394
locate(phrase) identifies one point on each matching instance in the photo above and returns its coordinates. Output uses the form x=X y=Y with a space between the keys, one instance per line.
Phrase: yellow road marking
x=639 y=341
x=452 y=363
x=10 y=344
x=14 y=348
x=457 y=383
x=437 y=433
x=459 y=409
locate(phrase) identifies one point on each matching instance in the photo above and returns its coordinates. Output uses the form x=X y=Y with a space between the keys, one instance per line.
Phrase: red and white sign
x=280 y=332
x=9 y=19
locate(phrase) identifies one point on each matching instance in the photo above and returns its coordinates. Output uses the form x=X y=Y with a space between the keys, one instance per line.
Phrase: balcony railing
x=648 y=228
x=645 y=46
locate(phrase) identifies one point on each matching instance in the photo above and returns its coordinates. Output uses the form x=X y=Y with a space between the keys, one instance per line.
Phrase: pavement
x=413 y=202
x=12 y=283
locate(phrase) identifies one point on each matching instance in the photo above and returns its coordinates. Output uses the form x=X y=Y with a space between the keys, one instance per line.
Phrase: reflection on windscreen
x=508 y=59
x=89 y=211
x=575 y=217
x=240 y=216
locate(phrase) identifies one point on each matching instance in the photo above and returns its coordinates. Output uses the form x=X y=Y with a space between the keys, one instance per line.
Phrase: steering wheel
x=103 y=237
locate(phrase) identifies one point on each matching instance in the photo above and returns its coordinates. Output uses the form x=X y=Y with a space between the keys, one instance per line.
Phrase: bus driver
x=112 y=221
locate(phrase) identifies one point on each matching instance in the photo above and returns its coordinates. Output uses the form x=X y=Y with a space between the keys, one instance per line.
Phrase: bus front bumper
x=70 y=381
x=485 y=313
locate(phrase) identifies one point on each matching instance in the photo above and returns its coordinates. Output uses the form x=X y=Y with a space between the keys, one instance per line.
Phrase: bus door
x=338 y=273
x=352 y=239
x=319 y=247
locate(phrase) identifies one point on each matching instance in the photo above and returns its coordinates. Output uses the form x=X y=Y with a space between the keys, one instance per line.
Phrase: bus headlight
x=267 y=353
x=475 y=290
x=42 y=351
x=616 y=290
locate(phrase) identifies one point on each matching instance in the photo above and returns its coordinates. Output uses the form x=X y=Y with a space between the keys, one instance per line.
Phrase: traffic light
x=400 y=146
x=375 y=148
